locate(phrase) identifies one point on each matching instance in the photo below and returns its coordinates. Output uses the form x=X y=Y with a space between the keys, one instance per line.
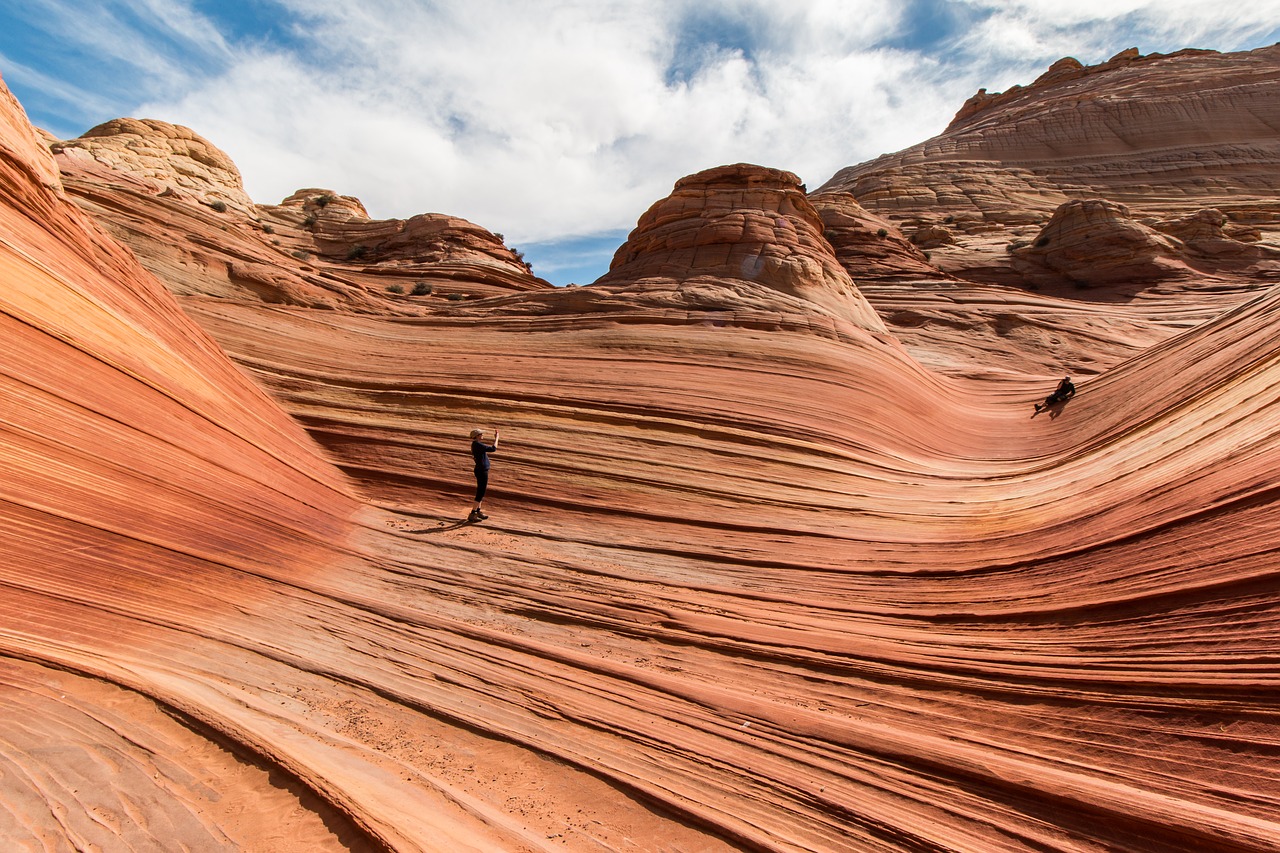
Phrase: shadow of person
x=1054 y=409
x=446 y=527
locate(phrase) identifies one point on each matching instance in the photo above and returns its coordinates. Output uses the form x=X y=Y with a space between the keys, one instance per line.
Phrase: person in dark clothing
x=480 y=451
x=1064 y=392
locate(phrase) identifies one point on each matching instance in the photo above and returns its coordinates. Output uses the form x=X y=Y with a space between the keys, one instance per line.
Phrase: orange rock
x=434 y=244
x=867 y=246
x=191 y=224
x=1165 y=135
x=751 y=228
x=1207 y=237
x=1096 y=242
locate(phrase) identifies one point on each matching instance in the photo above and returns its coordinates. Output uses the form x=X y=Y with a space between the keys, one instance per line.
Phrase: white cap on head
x=476 y=433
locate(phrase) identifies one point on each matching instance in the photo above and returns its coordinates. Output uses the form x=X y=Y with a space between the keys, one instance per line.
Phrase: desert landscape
x=780 y=557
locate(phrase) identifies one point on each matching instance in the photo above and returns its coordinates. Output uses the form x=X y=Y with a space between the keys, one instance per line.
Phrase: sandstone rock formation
x=869 y=246
x=755 y=579
x=1208 y=234
x=1096 y=242
x=1164 y=135
x=178 y=201
x=169 y=155
x=747 y=225
x=429 y=245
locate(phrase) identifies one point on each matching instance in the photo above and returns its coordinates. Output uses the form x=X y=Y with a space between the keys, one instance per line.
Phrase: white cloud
x=555 y=118
x=551 y=118
x=1095 y=30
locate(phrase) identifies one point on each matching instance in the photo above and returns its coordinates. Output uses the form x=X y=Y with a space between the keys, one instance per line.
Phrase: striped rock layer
x=756 y=577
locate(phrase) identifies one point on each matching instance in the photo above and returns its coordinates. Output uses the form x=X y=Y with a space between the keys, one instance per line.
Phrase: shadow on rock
x=446 y=526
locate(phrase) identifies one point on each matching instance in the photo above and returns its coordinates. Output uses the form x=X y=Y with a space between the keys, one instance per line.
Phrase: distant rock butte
x=1164 y=135
x=446 y=246
x=1092 y=243
x=1209 y=236
x=1178 y=143
x=748 y=227
x=178 y=201
x=170 y=155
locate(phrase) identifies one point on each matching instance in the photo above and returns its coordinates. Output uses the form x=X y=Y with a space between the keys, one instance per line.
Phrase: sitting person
x=1064 y=392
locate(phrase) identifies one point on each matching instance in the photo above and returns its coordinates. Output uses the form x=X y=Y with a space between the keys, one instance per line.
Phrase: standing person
x=1064 y=392
x=481 y=452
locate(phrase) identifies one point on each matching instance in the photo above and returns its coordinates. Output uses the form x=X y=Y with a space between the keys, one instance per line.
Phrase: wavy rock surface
x=752 y=581
x=804 y=593
x=149 y=488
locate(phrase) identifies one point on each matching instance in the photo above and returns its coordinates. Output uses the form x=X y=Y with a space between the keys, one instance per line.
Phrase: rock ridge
x=1164 y=135
x=1065 y=69
x=179 y=202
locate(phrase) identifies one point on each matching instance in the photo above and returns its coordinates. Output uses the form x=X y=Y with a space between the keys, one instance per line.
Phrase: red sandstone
x=762 y=571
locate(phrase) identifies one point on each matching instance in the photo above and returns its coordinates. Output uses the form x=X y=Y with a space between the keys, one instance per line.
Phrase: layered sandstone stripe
x=836 y=604
x=754 y=577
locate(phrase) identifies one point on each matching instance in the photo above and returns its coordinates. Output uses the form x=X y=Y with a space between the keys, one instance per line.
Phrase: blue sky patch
x=574 y=260
x=706 y=34
x=932 y=24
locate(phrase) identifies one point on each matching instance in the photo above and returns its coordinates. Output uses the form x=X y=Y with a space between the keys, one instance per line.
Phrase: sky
x=557 y=123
